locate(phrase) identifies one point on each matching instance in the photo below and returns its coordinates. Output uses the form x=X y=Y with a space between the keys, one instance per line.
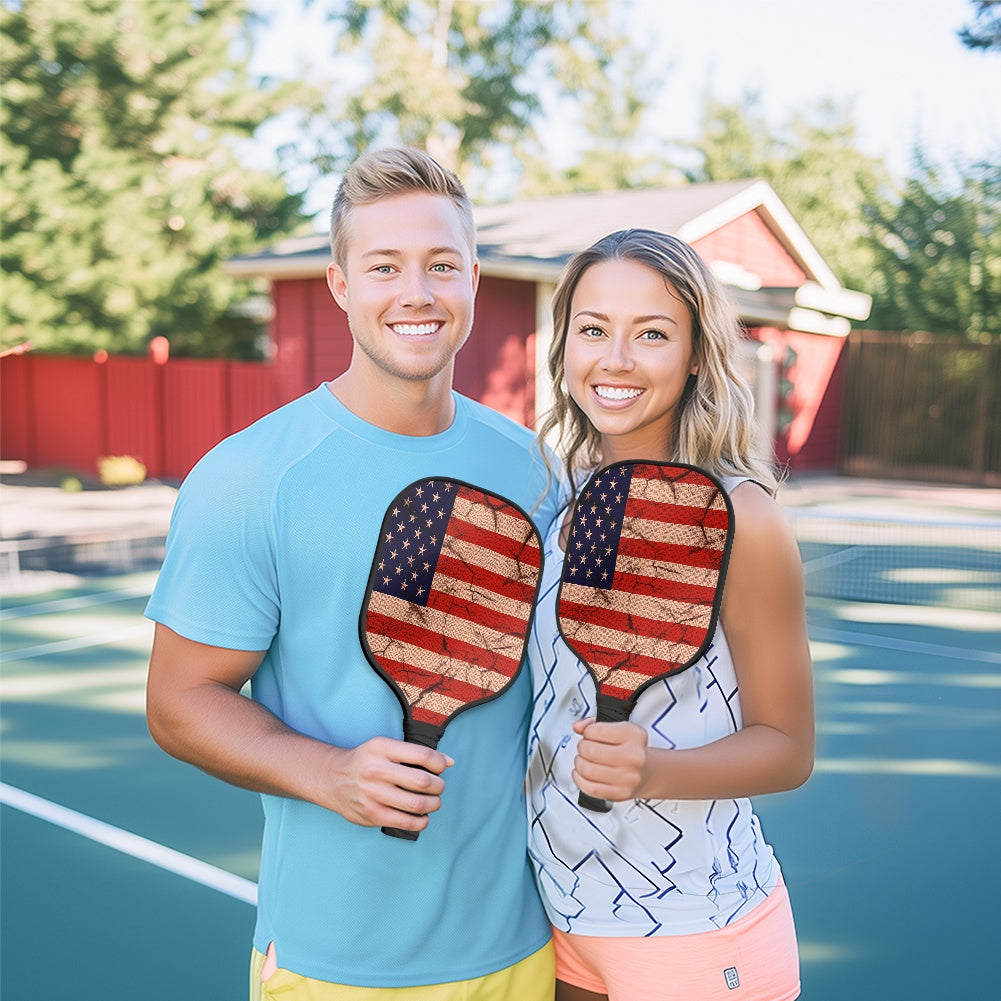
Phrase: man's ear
x=337 y=282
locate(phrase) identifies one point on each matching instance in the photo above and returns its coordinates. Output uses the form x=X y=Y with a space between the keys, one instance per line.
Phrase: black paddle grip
x=609 y=710
x=416 y=732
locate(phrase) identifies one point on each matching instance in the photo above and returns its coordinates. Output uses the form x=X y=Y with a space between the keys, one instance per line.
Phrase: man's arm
x=196 y=712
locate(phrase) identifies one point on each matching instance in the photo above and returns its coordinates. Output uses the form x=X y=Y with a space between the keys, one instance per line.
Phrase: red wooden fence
x=66 y=412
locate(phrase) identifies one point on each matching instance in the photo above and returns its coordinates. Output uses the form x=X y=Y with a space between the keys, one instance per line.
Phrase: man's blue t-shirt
x=270 y=548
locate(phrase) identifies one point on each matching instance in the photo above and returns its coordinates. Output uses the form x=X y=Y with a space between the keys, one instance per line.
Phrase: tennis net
x=954 y=564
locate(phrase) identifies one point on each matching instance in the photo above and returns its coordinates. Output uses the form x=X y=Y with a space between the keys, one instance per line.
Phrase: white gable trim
x=761 y=196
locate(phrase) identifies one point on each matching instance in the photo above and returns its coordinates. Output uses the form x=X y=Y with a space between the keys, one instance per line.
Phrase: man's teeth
x=415 y=329
x=617 y=392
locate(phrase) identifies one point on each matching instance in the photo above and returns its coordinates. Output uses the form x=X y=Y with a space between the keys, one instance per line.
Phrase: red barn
x=796 y=311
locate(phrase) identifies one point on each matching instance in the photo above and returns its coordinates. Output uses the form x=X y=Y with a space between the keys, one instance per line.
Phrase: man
x=265 y=574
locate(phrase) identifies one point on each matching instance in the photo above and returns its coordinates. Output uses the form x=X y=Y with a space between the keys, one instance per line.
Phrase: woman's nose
x=617 y=356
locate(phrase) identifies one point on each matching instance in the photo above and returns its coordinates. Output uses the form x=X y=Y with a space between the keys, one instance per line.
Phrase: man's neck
x=413 y=408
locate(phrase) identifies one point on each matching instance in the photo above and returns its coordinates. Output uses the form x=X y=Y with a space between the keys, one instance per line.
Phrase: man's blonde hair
x=396 y=170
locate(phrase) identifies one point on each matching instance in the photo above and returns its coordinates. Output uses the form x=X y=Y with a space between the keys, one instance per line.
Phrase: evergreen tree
x=122 y=186
x=938 y=254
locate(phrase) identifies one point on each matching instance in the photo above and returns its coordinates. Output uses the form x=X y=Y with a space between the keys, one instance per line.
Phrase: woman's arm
x=764 y=618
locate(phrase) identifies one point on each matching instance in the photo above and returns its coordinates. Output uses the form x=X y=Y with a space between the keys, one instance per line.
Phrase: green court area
x=129 y=875
x=104 y=897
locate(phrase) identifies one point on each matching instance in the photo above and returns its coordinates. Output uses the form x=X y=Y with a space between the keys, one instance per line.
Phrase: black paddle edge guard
x=615 y=710
x=363 y=638
x=418 y=727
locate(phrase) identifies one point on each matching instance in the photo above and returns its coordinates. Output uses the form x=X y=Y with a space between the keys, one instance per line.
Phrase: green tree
x=608 y=98
x=938 y=253
x=463 y=80
x=122 y=185
x=814 y=165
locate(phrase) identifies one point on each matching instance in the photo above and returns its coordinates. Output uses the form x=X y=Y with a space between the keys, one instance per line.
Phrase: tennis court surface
x=128 y=875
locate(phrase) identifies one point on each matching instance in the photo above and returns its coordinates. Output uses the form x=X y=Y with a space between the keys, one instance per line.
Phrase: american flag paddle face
x=643 y=578
x=449 y=602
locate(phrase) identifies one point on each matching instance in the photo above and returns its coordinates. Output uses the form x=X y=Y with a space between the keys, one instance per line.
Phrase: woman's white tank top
x=648 y=867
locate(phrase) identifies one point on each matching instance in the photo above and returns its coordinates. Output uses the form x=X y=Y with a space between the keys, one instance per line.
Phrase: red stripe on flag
x=677 y=514
x=516 y=590
x=667 y=588
x=439 y=684
x=482 y=615
x=638 y=626
x=678 y=474
x=666 y=552
x=524 y=552
x=437 y=643
x=605 y=660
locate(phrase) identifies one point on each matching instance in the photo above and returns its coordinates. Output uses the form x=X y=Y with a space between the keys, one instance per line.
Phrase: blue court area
x=128 y=875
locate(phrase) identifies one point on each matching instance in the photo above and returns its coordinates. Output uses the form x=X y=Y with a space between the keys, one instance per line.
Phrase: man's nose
x=416 y=289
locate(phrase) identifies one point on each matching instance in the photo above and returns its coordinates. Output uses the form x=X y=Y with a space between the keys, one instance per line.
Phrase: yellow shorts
x=533 y=979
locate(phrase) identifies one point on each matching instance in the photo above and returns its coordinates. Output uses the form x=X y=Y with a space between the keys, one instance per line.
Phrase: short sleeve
x=218 y=581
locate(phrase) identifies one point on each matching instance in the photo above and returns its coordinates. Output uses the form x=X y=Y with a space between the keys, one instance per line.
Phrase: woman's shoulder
x=755 y=509
x=765 y=556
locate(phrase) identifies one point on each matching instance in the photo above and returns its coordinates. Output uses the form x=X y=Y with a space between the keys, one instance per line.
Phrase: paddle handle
x=593 y=804
x=416 y=732
x=609 y=710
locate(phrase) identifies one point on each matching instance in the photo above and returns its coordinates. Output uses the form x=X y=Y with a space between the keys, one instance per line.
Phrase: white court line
x=831 y=560
x=78 y=643
x=67 y=604
x=131 y=844
x=908 y=646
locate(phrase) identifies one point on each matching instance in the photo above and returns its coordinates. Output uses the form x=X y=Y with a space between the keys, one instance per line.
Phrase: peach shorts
x=754 y=959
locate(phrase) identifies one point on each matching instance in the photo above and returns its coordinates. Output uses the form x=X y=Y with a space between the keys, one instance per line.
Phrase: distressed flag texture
x=645 y=561
x=452 y=589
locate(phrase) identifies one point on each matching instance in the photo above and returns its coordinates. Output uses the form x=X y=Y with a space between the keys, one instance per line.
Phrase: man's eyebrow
x=392 y=252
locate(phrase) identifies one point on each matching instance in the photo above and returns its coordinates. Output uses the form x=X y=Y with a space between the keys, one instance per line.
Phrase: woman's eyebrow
x=636 y=319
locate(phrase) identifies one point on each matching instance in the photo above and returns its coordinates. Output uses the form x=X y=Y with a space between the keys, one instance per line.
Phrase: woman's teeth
x=616 y=392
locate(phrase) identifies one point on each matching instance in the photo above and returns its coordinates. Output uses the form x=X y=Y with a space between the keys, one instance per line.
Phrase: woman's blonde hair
x=394 y=170
x=715 y=421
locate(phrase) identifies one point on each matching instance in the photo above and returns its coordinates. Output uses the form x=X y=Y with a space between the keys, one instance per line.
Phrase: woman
x=674 y=893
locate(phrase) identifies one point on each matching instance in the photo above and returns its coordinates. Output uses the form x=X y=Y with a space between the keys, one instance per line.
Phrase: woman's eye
x=592 y=331
x=653 y=335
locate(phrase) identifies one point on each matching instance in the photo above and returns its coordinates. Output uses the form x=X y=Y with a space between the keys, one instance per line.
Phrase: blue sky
x=896 y=64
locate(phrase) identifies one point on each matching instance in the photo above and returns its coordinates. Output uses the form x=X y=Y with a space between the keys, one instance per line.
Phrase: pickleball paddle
x=449 y=602
x=642 y=579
